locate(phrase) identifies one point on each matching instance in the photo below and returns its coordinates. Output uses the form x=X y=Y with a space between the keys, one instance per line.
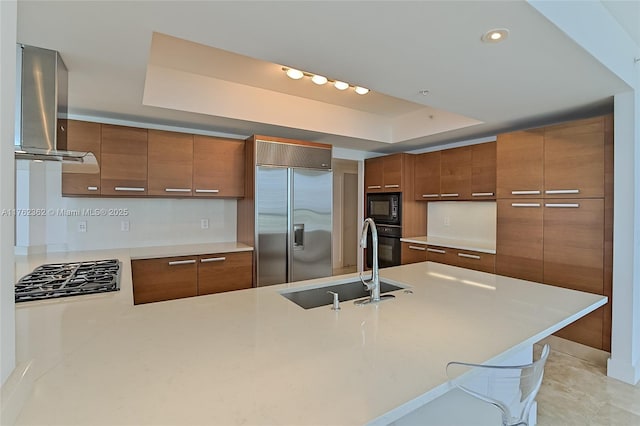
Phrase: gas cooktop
x=69 y=279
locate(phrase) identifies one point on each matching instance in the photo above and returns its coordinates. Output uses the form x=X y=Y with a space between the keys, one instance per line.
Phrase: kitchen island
x=254 y=357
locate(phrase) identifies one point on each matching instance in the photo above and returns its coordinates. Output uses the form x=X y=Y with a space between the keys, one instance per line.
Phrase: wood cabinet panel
x=86 y=137
x=574 y=160
x=483 y=171
x=574 y=244
x=124 y=161
x=392 y=176
x=485 y=262
x=169 y=278
x=170 y=163
x=221 y=272
x=426 y=176
x=519 y=239
x=469 y=259
x=441 y=255
x=455 y=173
x=413 y=253
x=218 y=167
x=588 y=330
x=374 y=174
x=519 y=164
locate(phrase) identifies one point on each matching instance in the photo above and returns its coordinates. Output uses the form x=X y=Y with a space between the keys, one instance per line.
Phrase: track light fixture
x=320 y=80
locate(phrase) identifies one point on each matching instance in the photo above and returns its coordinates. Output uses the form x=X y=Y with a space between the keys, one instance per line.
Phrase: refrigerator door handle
x=298 y=236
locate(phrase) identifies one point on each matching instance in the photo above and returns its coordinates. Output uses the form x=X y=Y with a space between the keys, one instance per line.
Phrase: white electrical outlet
x=447 y=221
x=124 y=226
x=82 y=226
x=204 y=223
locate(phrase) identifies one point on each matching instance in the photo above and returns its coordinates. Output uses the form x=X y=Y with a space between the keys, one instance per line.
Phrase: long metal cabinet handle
x=525 y=192
x=177 y=189
x=525 y=204
x=469 y=256
x=213 y=259
x=430 y=195
x=392 y=186
x=450 y=195
x=211 y=191
x=417 y=248
x=562 y=191
x=432 y=250
x=92 y=188
x=129 y=188
x=374 y=187
x=563 y=205
x=181 y=262
x=482 y=194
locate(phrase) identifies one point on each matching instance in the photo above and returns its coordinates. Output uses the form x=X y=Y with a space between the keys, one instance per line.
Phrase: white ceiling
x=394 y=48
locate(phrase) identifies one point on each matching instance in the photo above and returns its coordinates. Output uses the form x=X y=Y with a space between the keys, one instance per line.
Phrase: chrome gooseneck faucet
x=374 y=284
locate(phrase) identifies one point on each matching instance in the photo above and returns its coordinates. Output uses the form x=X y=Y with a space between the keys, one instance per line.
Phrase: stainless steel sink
x=318 y=296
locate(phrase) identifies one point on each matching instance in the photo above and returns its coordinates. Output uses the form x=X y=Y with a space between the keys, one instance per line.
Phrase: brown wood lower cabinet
x=413 y=253
x=224 y=272
x=168 y=278
x=165 y=278
x=469 y=259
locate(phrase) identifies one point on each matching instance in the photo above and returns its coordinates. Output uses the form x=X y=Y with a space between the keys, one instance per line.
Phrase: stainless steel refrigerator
x=293 y=224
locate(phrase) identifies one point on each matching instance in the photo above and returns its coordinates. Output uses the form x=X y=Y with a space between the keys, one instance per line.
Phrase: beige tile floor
x=576 y=392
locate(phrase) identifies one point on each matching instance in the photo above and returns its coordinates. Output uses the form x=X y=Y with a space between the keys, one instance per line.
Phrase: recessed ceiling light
x=318 y=79
x=496 y=35
x=294 y=74
x=361 y=90
x=341 y=85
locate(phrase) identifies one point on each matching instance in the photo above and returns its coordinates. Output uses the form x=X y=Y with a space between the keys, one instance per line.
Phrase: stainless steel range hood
x=42 y=103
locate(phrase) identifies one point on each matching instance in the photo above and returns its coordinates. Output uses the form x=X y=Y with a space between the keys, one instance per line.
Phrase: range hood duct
x=41 y=129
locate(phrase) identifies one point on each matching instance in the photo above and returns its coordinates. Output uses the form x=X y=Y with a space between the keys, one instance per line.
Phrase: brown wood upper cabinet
x=82 y=136
x=520 y=157
x=455 y=173
x=574 y=159
x=123 y=170
x=561 y=161
x=218 y=167
x=170 y=163
x=465 y=173
x=483 y=171
x=426 y=176
x=384 y=174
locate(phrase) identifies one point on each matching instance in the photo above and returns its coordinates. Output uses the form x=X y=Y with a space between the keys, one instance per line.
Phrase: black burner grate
x=69 y=279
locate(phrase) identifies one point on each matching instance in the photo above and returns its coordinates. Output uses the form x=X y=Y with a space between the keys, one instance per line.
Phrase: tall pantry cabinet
x=555 y=206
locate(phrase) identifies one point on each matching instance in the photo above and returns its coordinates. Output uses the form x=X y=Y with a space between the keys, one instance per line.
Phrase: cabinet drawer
x=441 y=255
x=224 y=272
x=166 y=278
x=485 y=262
x=413 y=253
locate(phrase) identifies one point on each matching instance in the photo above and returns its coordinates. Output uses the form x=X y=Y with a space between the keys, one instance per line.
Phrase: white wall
x=8 y=22
x=466 y=220
x=578 y=20
x=151 y=221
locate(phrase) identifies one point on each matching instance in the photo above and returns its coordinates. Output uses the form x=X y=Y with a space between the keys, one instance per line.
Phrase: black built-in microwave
x=385 y=208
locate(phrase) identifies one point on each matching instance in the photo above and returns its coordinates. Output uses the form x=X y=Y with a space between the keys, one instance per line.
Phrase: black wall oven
x=385 y=210
x=388 y=246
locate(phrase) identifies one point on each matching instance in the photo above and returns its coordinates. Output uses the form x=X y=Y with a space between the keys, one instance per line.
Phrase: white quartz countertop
x=253 y=357
x=456 y=243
